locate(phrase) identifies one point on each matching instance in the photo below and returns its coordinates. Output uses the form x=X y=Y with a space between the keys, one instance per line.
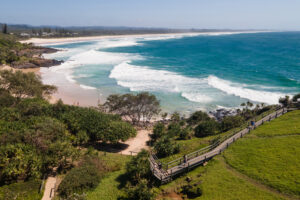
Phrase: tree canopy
x=136 y=108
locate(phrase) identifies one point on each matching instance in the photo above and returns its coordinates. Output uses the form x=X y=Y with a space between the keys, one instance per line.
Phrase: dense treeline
x=36 y=136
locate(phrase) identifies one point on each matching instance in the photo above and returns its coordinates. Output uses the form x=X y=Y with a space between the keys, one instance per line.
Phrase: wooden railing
x=165 y=172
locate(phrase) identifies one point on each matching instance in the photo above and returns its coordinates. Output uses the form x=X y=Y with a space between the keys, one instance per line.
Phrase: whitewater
x=187 y=72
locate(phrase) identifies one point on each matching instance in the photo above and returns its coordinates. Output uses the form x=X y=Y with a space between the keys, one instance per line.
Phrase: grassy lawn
x=108 y=188
x=21 y=191
x=218 y=182
x=287 y=124
x=274 y=160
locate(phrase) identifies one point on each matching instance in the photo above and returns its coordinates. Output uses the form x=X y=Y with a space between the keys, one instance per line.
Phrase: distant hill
x=24 y=30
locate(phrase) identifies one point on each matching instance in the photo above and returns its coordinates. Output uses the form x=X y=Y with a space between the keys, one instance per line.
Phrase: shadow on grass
x=112 y=148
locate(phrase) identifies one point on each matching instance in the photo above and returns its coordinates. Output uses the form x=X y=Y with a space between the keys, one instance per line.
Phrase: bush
x=186 y=133
x=197 y=117
x=192 y=191
x=158 y=131
x=138 y=168
x=296 y=97
x=140 y=191
x=79 y=180
x=230 y=122
x=206 y=128
x=174 y=129
x=165 y=147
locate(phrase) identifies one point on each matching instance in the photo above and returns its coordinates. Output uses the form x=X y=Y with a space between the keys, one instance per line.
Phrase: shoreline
x=52 y=41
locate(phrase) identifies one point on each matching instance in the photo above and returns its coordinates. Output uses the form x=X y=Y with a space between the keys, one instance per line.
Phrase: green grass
x=194 y=144
x=287 y=124
x=109 y=187
x=270 y=154
x=273 y=161
x=218 y=182
x=21 y=191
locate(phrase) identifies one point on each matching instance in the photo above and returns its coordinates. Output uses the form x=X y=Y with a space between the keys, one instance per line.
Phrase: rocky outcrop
x=35 y=59
x=36 y=63
x=219 y=114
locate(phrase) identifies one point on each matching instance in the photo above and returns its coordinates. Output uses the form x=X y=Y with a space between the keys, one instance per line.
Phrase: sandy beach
x=43 y=41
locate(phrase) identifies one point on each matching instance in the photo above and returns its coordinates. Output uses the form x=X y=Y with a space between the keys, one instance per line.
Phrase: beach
x=187 y=72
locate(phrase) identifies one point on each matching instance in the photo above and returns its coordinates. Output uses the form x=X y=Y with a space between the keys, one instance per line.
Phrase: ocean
x=186 y=72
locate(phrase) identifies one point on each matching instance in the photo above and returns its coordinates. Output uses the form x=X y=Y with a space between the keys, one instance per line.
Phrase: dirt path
x=50 y=185
x=138 y=143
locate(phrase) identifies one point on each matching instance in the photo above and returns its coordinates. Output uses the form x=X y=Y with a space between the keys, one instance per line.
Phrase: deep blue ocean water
x=190 y=72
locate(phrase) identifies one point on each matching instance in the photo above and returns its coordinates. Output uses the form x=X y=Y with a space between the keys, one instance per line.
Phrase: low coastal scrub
x=83 y=178
x=36 y=136
x=22 y=55
x=28 y=190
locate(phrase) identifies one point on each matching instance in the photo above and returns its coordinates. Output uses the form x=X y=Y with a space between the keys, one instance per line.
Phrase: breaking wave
x=202 y=90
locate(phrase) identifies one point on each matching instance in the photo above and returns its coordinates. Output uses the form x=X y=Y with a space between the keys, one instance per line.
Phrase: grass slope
x=270 y=154
x=108 y=188
x=218 y=182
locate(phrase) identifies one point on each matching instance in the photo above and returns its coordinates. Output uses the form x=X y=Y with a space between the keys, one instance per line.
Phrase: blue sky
x=235 y=14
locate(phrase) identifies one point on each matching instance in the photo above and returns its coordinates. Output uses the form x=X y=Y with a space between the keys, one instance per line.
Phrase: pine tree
x=4 y=29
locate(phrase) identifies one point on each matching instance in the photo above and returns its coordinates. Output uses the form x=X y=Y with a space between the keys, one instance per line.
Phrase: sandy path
x=50 y=184
x=138 y=143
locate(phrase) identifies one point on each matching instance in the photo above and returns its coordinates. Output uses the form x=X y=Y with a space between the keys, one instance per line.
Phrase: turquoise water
x=189 y=72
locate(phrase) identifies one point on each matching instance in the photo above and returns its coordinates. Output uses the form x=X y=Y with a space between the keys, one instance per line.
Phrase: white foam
x=141 y=78
x=87 y=87
x=234 y=89
x=113 y=43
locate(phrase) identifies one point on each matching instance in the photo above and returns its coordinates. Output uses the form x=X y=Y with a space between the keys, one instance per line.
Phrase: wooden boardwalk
x=165 y=173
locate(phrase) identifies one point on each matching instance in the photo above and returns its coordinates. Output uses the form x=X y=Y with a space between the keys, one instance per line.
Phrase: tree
x=230 y=122
x=198 y=117
x=21 y=85
x=4 y=29
x=175 y=117
x=158 y=131
x=136 y=108
x=166 y=146
x=186 y=133
x=296 y=97
x=19 y=161
x=285 y=101
x=206 y=128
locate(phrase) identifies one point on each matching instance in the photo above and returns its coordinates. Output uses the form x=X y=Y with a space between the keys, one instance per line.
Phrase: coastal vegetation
x=261 y=165
x=37 y=137
x=135 y=108
x=23 y=55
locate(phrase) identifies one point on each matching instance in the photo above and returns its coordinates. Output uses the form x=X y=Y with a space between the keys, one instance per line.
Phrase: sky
x=219 y=14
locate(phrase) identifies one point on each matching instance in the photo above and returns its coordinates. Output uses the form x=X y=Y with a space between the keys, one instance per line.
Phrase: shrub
x=138 y=168
x=186 y=133
x=166 y=147
x=192 y=191
x=140 y=191
x=174 y=129
x=79 y=180
x=197 y=117
x=230 y=122
x=158 y=131
x=206 y=128
x=296 y=97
